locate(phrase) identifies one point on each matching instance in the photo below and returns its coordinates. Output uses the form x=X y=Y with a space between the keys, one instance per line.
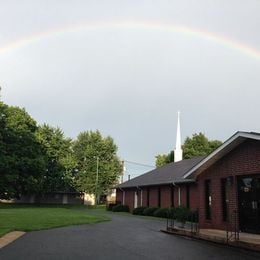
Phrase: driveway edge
x=10 y=237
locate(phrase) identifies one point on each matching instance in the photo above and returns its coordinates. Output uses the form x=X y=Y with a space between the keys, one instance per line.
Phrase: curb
x=10 y=237
x=237 y=244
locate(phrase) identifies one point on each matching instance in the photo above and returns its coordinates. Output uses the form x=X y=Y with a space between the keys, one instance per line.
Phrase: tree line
x=37 y=159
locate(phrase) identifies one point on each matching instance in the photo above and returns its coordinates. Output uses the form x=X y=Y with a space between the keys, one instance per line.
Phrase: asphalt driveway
x=125 y=237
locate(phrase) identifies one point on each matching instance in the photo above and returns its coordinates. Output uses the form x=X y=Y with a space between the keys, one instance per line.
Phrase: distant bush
x=110 y=205
x=139 y=211
x=150 y=211
x=120 y=208
x=162 y=213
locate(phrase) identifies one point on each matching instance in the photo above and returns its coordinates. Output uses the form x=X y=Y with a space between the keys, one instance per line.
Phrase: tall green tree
x=199 y=145
x=196 y=145
x=21 y=156
x=162 y=159
x=98 y=164
x=39 y=159
x=60 y=164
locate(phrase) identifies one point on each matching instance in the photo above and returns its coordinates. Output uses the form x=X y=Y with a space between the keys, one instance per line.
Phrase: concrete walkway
x=10 y=237
x=244 y=237
x=125 y=237
x=245 y=240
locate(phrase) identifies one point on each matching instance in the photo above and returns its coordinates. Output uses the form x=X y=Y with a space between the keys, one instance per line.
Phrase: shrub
x=110 y=206
x=193 y=216
x=182 y=214
x=171 y=213
x=149 y=211
x=162 y=212
x=120 y=208
x=139 y=211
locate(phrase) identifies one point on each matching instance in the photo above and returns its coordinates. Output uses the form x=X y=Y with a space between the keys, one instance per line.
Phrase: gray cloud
x=129 y=83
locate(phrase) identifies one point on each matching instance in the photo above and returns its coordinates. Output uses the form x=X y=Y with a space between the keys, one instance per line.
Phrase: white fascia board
x=244 y=135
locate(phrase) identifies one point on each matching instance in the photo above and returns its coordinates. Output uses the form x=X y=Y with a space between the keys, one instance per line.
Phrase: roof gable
x=225 y=148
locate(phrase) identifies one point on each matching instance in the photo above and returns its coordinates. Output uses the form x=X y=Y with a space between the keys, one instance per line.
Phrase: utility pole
x=96 y=184
x=123 y=172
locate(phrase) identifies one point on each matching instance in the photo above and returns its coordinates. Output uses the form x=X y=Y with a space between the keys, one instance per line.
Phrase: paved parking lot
x=125 y=237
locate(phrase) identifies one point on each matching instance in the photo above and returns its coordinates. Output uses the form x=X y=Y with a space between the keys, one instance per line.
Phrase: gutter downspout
x=141 y=196
x=179 y=193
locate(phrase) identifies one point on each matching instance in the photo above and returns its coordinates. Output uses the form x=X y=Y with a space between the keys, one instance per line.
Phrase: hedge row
x=120 y=208
x=180 y=213
x=153 y=211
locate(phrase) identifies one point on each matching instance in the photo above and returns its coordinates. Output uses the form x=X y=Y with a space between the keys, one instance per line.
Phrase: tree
x=197 y=145
x=162 y=159
x=94 y=152
x=39 y=159
x=58 y=156
x=21 y=156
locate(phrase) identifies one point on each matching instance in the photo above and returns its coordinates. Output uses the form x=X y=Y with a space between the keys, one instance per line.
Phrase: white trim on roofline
x=233 y=138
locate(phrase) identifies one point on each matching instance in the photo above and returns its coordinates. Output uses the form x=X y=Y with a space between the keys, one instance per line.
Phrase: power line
x=140 y=164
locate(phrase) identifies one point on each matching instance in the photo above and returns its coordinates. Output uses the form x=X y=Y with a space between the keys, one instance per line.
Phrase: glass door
x=249 y=203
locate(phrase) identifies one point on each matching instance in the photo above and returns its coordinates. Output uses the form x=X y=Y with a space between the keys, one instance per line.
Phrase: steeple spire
x=178 y=150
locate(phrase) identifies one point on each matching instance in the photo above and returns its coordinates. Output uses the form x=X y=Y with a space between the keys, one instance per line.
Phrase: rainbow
x=164 y=27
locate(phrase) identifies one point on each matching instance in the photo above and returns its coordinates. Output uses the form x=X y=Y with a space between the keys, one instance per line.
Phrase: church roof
x=229 y=145
x=187 y=170
x=167 y=174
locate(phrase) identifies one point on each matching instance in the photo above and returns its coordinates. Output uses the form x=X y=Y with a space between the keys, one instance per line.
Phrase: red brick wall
x=243 y=160
x=129 y=198
x=165 y=196
x=153 y=197
x=176 y=196
x=166 y=200
x=119 y=196
x=194 y=197
x=183 y=195
x=139 y=198
x=144 y=203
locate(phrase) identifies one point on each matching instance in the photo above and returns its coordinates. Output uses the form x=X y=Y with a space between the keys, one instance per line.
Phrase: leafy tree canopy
x=21 y=156
x=197 y=145
x=96 y=153
x=58 y=158
x=38 y=159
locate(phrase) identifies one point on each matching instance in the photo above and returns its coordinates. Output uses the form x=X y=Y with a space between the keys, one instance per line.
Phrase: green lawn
x=29 y=217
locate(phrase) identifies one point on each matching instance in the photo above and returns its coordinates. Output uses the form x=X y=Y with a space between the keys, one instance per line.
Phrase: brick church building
x=223 y=187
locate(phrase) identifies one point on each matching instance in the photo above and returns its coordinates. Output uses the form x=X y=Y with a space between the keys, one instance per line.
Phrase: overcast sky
x=128 y=80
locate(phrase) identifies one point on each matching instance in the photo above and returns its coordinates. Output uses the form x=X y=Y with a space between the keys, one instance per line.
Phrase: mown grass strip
x=29 y=218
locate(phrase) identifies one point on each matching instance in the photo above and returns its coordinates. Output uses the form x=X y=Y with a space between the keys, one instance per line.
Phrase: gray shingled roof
x=169 y=173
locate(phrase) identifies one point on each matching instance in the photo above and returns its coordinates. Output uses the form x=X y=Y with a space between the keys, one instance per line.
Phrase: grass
x=38 y=217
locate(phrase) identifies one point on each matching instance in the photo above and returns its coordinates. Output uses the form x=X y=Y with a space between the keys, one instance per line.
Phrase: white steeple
x=178 y=150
